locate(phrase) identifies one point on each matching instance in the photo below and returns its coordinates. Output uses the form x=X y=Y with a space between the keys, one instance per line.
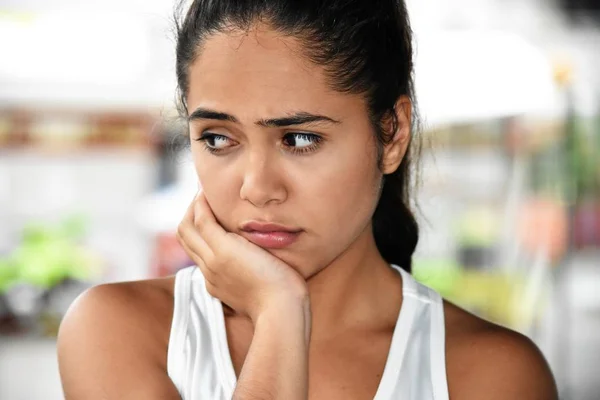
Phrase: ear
x=394 y=151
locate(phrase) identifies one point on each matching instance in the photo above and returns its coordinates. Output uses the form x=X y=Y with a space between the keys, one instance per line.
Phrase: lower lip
x=272 y=240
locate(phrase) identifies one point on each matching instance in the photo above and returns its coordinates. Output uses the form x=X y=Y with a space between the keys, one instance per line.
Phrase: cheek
x=347 y=194
x=218 y=188
x=339 y=205
x=352 y=199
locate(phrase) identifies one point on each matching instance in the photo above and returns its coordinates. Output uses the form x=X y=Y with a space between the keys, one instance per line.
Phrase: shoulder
x=488 y=361
x=123 y=307
x=112 y=335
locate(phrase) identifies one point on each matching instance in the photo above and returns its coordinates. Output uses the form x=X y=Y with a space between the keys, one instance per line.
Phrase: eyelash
x=316 y=141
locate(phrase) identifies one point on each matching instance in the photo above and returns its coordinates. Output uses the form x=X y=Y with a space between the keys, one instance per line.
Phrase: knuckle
x=206 y=272
x=198 y=214
x=199 y=222
x=217 y=250
x=210 y=261
x=182 y=243
x=181 y=231
x=221 y=259
x=208 y=275
x=197 y=219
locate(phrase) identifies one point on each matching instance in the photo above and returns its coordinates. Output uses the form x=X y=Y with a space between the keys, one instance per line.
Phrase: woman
x=300 y=118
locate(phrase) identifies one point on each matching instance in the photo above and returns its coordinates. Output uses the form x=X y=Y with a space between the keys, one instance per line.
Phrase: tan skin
x=312 y=303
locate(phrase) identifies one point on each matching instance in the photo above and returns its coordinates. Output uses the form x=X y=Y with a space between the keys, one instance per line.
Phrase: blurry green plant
x=442 y=275
x=478 y=226
x=582 y=146
x=492 y=294
x=570 y=167
x=47 y=255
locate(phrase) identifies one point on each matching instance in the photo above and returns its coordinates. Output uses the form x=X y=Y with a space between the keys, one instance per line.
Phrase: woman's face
x=281 y=147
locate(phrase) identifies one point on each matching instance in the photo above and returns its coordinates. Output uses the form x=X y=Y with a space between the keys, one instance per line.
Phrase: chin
x=296 y=261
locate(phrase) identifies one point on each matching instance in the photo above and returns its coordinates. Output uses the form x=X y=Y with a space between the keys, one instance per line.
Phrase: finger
x=206 y=223
x=211 y=289
x=192 y=241
x=198 y=261
x=188 y=233
x=208 y=275
x=195 y=257
x=206 y=272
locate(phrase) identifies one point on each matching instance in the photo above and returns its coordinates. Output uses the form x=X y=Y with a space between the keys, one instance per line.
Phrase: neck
x=358 y=290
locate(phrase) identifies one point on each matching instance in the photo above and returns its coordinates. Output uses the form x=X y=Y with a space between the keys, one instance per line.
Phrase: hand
x=240 y=274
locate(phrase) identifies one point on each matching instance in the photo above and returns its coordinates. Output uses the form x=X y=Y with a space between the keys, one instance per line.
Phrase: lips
x=269 y=235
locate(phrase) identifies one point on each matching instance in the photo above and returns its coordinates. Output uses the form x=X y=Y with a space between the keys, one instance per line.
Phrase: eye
x=301 y=142
x=215 y=143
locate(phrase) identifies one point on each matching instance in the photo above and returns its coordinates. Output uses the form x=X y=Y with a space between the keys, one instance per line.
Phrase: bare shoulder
x=125 y=308
x=488 y=361
x=112 y=344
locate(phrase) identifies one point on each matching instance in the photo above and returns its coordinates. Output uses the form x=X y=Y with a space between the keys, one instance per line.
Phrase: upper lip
x=256 y=226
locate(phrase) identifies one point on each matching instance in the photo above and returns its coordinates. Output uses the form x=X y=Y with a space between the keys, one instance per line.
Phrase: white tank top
x=199 y=362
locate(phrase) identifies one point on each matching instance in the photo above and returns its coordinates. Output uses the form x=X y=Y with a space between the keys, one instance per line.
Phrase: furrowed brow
x=205 y=113
x=295 y=119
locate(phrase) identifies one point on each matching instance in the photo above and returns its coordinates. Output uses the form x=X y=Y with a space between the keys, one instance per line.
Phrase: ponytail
x=394 y=226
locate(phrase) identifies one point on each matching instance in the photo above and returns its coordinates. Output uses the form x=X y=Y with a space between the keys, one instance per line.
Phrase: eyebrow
x=298 y=118
x=204 y=113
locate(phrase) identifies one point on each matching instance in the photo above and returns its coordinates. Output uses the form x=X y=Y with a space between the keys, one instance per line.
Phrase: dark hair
x=365 y=47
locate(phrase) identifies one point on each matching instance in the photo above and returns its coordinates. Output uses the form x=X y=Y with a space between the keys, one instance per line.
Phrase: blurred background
x=94 y=175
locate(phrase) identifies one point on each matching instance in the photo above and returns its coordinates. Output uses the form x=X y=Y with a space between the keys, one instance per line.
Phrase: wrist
x=293 y=315
x=280 y=307
x=281 y=299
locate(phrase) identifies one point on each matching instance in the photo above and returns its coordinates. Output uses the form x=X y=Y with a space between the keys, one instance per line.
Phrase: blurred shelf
x=78 y=151
x=61 y=131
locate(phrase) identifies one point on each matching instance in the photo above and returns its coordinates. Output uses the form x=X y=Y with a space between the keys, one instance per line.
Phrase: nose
x=262 y=182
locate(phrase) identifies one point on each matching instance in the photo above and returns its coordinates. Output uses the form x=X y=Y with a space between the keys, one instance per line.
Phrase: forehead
x=258 y=73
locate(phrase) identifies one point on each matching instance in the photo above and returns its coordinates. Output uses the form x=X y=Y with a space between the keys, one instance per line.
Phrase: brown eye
x=214 y=142
x=300 y=140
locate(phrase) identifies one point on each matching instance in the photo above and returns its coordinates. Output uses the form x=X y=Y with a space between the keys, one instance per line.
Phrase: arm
x=108 y=348
x=276 y=365
x=261 y=287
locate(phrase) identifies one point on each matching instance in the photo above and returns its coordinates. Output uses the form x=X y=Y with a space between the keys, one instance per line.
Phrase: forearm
x=276 y=366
